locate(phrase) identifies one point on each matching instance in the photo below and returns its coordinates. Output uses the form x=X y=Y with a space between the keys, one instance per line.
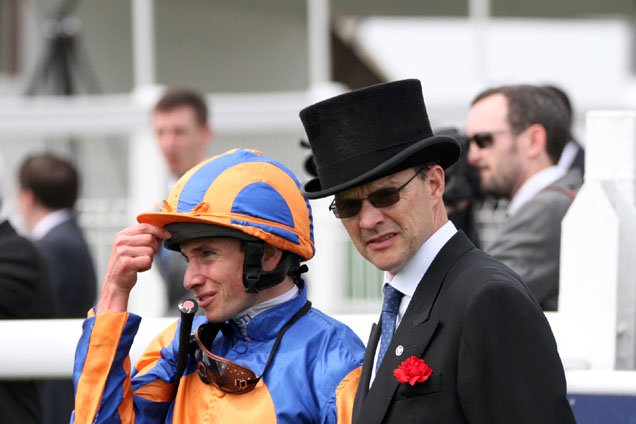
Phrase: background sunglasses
x=382 y=198
x=485 y=138
x=482 y=139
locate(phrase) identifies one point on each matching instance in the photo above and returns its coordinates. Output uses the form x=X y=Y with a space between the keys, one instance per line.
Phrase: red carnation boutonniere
x=413 y=370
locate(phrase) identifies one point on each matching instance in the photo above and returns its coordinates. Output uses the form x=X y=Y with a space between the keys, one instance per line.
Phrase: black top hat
x=370 y=133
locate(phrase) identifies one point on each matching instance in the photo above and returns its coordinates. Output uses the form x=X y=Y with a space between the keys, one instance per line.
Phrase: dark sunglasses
x=385 y=197
x=226 y=375
x=484 y=139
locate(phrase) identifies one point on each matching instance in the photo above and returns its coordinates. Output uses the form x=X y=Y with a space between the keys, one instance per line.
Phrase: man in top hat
x=460 y=338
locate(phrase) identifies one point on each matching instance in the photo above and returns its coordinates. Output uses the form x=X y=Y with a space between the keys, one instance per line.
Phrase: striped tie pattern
x=390 y=307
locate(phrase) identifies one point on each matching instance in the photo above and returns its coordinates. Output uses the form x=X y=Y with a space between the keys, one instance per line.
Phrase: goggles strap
x=302 y=311
x=214 y=329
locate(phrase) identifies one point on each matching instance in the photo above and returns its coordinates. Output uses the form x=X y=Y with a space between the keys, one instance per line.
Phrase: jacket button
x=240 y=348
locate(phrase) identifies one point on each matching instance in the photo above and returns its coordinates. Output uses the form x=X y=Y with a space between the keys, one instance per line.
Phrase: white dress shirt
x=409 y=277
x=533 y=186
x=567 y=157
x=49 y=222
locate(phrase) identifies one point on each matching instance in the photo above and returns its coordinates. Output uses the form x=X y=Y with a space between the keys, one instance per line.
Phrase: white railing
x=46 y=348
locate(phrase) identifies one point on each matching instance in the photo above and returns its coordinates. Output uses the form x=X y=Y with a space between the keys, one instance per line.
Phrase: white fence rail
x=46 y=348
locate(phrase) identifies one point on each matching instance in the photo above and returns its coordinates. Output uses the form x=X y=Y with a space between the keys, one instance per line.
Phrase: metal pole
x=143 y=42
x=479 y=15
x=318 y=24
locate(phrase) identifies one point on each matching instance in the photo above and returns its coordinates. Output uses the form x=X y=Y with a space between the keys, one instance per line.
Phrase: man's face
x=182 y=140
x=214 y=273
x=500 y=164
x=388 y=237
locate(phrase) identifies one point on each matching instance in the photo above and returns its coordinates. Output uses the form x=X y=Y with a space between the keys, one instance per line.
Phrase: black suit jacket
x=492 y=352
x=74 y=281
x=71 y=269
x=25 y=292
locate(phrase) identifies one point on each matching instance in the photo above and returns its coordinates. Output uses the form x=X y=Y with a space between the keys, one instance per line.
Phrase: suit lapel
x=6 y=229
x=414 y=333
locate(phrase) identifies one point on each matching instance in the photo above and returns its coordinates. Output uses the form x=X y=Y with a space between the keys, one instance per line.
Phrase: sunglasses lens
x=346 y=208
x=385 y=197
x=482 y=139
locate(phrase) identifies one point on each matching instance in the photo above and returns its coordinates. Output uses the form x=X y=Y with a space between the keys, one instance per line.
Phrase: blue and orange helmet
x=239 y=194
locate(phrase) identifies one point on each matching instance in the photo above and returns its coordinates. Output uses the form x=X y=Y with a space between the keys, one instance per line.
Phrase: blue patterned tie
x=390 y=307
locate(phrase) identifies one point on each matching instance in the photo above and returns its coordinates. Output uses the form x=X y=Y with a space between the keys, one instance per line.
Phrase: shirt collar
x=267 y=323
x=409 y=277
x=533 y=186
x=49 y=222
x=569 y=154
x=244 y=318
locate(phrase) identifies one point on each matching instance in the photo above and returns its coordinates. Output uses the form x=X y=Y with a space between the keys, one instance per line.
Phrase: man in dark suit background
x=461 y=338
x=49 y=187
x=25 y=292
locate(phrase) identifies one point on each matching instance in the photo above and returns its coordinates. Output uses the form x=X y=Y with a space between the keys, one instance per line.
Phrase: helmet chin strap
x=254 y=278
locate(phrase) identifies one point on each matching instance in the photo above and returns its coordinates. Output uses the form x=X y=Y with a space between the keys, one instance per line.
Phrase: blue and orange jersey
x=312 y=378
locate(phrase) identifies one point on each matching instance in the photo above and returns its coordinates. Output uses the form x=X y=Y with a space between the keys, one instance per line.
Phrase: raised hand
x=132 y=252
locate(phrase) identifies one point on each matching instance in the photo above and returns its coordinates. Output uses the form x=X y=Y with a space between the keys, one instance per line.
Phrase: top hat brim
x=440 y=149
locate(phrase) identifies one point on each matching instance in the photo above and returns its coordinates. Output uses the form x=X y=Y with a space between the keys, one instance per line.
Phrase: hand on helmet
x=132 y=252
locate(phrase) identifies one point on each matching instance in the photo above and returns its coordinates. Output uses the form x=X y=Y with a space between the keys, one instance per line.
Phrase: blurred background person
x=573 y=156
x=25 y=292
x=517 y=134
x=180 y=123
x=48 y=190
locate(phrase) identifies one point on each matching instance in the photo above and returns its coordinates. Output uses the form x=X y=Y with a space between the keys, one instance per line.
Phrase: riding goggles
x=226 y=375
